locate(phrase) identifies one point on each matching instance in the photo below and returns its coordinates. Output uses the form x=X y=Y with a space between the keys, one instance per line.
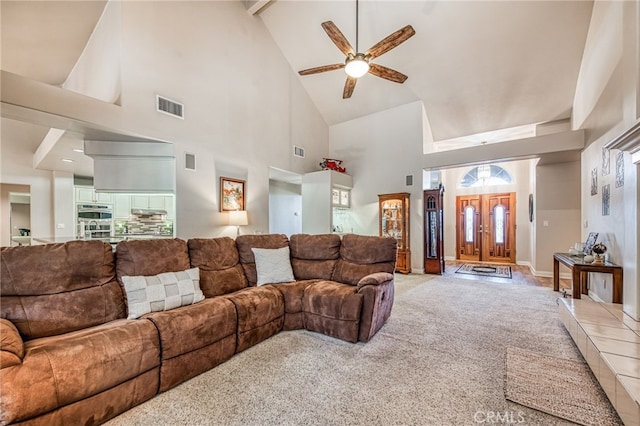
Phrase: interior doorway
x=15 y=206
x=485 y=227
x=285 y=202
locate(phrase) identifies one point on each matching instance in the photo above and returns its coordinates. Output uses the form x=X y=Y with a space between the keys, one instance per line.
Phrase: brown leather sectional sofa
x=69 y=355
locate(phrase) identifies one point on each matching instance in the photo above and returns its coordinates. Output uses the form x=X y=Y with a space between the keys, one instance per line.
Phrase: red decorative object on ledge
x=332 y=164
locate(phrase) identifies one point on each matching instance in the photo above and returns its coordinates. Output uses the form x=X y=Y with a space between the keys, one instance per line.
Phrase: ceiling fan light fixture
x=356 y=66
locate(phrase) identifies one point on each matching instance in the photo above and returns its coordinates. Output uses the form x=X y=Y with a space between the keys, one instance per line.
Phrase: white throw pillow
x=162 y=292
x=273 y=265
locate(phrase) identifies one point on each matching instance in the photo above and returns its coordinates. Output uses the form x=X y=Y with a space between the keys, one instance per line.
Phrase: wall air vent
x=408 y=180
x=298 y=151
x=189 y=161
x=167 y=106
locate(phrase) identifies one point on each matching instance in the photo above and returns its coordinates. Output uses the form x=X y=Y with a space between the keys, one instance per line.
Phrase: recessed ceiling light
x=78 y=150
x=67 y=160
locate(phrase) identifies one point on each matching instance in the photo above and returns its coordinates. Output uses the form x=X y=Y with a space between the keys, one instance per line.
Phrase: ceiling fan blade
x=349 y=85
x=338 y=38
x=323 y=68
x=387 y=73
x=391 y=41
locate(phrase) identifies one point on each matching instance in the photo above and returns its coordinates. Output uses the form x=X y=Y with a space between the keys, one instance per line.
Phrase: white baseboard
x=549 y=274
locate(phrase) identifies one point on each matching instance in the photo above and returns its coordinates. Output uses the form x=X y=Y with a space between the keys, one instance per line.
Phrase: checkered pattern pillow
x=162 y=292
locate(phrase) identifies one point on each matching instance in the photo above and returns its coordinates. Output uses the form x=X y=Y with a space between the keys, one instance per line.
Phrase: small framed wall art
x=606 y=161
x=232 y=194
x=594 y=181
x=620 y=170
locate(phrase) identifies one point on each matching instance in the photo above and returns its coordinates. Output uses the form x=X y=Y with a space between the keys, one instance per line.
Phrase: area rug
x=439 y=360
x=500 y=271
x=561 y=387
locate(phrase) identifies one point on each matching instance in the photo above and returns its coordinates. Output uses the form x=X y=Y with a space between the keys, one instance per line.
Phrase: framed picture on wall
x=232 y=194
x=591 y=241
x=594 y=181
x=606 y=200
x=606 y=161
x=620 y=170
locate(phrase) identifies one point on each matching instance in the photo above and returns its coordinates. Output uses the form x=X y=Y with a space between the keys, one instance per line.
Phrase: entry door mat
x=561 y=387
x=500 y=271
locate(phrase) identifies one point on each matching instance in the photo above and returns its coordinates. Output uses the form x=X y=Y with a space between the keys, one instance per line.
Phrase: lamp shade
x=238 y=218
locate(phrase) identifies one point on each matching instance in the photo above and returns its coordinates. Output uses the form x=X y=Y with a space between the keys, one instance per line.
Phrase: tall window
x=498 y=217
x=468 y=223
x=485 y=175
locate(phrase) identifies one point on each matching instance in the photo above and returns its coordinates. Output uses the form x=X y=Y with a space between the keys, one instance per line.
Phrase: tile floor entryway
x=520 y=275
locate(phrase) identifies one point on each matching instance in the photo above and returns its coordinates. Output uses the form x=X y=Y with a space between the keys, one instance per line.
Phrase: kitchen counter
x=111 y=240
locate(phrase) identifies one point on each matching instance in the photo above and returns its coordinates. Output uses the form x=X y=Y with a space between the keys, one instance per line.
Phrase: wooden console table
x=580 y=274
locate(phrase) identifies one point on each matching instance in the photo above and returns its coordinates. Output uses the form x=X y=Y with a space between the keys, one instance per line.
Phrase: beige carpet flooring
x=439 y=360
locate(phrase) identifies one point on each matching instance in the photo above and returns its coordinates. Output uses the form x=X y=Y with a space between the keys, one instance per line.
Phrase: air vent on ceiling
x=298 y=151
x=167 y=106
x=189 y=161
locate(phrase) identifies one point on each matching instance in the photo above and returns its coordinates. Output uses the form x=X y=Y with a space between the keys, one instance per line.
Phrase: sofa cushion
x=11 y=344
x=60 y=370
x=245 y=243
x=260 y=314
x=314 y=256
x=161 y=292
x=273 y=265
x=151 y=257
x=58 y=288
x=363 y=255
x=293 y=294
x=193 y=327
x=333 y=309
x=219 y=263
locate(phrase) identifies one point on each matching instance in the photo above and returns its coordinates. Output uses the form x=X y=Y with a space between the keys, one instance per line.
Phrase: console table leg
x=584 y=282
x=556 y=275
x=617 y=286
x=575 y=284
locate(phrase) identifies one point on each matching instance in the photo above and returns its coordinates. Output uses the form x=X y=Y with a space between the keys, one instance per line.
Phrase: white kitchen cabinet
x=169 y=206
x=122 y=206
x=86 y=194
x=156 y=202
x=140 y=202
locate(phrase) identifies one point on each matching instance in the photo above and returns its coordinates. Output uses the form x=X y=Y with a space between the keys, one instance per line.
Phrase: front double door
x=486 y=227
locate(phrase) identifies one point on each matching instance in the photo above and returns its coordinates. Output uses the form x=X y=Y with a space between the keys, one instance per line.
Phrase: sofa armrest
x=11 y=344
x=377 y=278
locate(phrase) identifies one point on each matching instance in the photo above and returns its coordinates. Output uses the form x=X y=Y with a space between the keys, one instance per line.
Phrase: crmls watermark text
x=496 y=417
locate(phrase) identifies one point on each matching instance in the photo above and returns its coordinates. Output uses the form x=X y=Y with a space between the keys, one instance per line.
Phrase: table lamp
x=238 y=218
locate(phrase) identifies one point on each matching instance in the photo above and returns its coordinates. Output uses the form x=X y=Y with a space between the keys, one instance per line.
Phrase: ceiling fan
x=358 y=64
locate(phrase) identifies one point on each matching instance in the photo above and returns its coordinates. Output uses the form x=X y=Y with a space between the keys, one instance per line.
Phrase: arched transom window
x=485 y=175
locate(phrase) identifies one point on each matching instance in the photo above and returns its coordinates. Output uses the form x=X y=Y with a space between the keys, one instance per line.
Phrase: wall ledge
x=629 y=140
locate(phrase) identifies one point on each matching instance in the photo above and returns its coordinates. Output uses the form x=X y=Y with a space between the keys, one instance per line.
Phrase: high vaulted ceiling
x=477 y=66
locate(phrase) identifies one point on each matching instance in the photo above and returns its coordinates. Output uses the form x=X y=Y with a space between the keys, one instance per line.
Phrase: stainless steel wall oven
x=95 y=220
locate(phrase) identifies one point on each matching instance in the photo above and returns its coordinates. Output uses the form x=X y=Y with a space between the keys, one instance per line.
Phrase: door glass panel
x=432 y=234
x=498 y=215
x=468 y=223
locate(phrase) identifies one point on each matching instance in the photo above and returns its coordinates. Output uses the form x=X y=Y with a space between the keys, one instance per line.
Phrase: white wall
x=557 y=212
x=607 y=99
x=520 y=173
x=379 y=151
x=244 y=107
x=244 y=110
